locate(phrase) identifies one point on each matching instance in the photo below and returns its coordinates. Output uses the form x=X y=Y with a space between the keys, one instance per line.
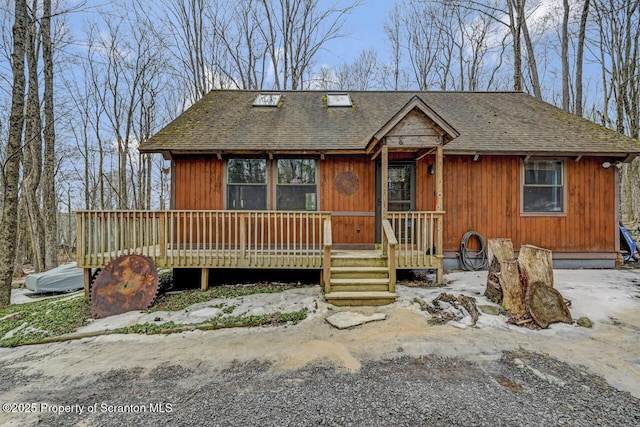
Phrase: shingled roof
x=487 y=123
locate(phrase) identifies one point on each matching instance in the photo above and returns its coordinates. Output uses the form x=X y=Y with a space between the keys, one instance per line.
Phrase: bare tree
x=11 y=166
x=394 y=30
x=361 y=74
x=618 y=39
x=296 y=31
x=580 y=57
x=49 y=205
x=32 y=153
x=564 y=57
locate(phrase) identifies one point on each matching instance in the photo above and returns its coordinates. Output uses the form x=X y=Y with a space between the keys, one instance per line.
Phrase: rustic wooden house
x=358 y=185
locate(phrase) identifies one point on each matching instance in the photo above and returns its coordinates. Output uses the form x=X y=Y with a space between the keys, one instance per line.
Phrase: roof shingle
x=488 y=122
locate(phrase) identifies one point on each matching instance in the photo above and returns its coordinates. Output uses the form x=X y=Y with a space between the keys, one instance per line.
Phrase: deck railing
x=419 y=236
x=202 y=239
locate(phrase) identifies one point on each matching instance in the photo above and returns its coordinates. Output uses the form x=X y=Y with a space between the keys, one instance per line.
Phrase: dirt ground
x=611 y=349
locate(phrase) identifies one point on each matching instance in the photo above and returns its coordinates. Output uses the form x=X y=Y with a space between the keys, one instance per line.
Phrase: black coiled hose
x=473 y=260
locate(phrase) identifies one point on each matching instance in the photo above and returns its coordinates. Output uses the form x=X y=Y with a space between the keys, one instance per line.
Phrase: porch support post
x=86 y=275
x=439 y=178
x=439 y=208
x=204 y=279
x=384 y=197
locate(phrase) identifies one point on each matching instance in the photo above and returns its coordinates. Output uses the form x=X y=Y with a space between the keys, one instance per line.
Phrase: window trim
x=563 y=212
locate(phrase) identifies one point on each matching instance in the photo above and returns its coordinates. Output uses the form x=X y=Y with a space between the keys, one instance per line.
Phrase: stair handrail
x=326 y=262
x=392 y=242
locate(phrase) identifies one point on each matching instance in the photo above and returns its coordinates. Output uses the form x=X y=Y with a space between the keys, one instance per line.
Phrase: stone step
x=360 y=298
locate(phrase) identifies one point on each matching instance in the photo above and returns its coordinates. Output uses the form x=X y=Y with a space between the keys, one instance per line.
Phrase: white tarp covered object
x=65 y=278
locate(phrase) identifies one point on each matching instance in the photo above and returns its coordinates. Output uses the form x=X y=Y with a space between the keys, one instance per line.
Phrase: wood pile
x=524 y=286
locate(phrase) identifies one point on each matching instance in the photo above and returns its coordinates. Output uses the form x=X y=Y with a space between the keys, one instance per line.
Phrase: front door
x=401 y=190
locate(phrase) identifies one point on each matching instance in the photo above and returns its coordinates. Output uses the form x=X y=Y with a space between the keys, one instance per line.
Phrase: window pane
x=399 y=184
x=399 y=206
x=250 y=171
x=543 y=173
x=543 y=199
x=246 y=197
x=297 y=197
x=296 y=171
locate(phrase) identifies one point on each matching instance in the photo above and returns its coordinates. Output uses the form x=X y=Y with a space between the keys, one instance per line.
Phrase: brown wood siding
x=353 y=211
x=199 y=183
x=485 y=195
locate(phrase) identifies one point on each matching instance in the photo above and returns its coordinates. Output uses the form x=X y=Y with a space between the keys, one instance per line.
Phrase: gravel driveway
x=401 y=371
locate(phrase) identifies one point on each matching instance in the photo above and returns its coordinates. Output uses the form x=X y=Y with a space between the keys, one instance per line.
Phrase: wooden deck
x=252 y=240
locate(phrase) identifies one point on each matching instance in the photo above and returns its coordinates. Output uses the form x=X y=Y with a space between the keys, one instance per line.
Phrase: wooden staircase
x=359 y=278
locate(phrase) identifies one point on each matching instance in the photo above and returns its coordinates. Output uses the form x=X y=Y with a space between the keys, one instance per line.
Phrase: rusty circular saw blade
x=129 y=282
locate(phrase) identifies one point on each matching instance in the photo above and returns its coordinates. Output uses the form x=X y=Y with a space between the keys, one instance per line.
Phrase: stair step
x=364 y=281
x=358 y=262
x=360 y=285
x=359 y=272
x=360 y=298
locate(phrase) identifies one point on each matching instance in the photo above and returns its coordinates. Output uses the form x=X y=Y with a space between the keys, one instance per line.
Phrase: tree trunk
x=533 y=64
x=32 y=155
x=525 y=286
x=516 y=9
x=498 y=251
x=512 y=292
x=536 y=265
x=11 y=174
x=580 y=55
x=565 y=55
x=546 y=305
x=49 y=206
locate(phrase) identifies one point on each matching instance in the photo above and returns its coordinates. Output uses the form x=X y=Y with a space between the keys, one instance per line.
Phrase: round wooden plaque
x=346 y=183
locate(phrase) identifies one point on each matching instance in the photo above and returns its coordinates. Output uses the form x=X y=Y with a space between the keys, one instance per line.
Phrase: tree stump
x=498 y=251
x=536 y=265
x=546 y=305
x=512 y=291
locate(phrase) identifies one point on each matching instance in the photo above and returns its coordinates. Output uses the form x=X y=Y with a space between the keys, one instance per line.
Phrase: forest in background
x=83 y=83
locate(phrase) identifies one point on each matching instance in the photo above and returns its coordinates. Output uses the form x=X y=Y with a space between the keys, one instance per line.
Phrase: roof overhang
x=622 y=157
x=448 y=132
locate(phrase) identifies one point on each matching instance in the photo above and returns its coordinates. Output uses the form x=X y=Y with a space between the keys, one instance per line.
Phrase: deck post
x=439 y=208
x=243 y=236
x=392 y=242
x=162 y=237
x=86 y=275
x=384 y=197
x=204 y=279
x=326 y=261
x=80 y=238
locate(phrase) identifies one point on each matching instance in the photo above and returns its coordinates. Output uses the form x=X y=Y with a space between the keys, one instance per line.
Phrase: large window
x=297 y=184
x=247 y=184
x=543 y=186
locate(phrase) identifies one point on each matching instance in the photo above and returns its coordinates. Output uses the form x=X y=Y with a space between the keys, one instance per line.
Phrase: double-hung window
x=297 y=185
x=247 y=184
x=543 y=187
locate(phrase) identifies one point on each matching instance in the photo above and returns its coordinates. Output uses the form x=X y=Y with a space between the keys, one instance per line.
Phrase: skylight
x=338 y=100
x=267 y=99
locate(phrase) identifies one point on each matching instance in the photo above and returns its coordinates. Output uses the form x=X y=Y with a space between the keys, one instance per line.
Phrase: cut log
x=493 y=291
x=546 y=305
x=536 y=265
x=498 y=250
x=512 y=291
